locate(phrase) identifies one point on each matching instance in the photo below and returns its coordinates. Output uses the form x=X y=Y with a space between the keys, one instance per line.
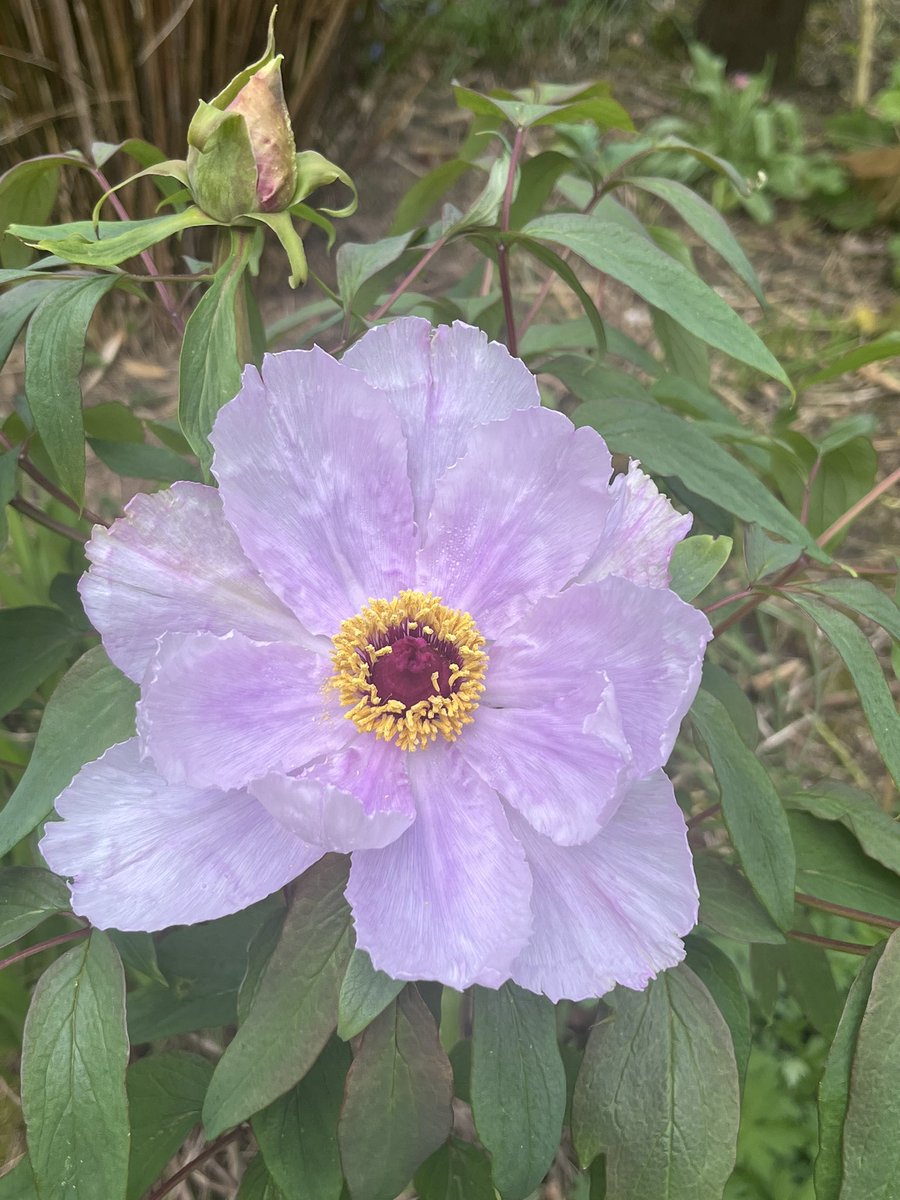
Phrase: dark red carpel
x=407 y=673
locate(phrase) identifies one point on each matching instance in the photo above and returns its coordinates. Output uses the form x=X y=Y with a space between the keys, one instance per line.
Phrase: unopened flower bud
x=242 y=156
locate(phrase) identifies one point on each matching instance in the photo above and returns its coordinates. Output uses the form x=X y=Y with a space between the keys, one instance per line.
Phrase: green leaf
x=726 y=689
x=456 y=1171
x=297 y=1135
x=871 y=1147
x=810 y=981
x=861 y=661
x=719 y=975
x=518 y=1086
x=397 y=1101
x=887 y=346
x=165 y=1095
x=753 y=813
x=831 y=866
x=18 y=1184
x=16 y=306
x=34 y=642
x=669 y=445
x=764 y=556
x=365 y=993
x=74 y=1056
x=210 y=369
x=54 y=349
x=138 y=954
x=294 y=1011
x=28 y=895
x=91 y=710
x=696 y=562
x=202 y=966
x=834 y=1088
x=705 y=221
x=110 y=251
x=860 y=596
x=258 y=1184
x=425 y=193
x=658 y=1093
x=357 y=262
x=142 y=461
x=260 y=950
x=27 y=190
x=634 y=260
x=114 y=422
x=9 y=465
x=728 y=906
x=877 y=833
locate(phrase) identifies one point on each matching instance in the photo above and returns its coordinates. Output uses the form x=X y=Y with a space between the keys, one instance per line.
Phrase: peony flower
x=418 y=624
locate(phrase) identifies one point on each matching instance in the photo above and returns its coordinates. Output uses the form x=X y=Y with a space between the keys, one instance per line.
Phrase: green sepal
x=221 y=167
x=231 y=89
x=172 y=168
x=315 y=171
x=282 y=226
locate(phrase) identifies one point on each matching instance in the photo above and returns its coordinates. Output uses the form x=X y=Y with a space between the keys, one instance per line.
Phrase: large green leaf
x=718 y=973
x=861 y=596
x=110 y=251
x=705 y=221
x=457 y=1171
x=297 y=1134
x=258 y=1184
x=16 y=306
x=518 y=1086
x=18 y=1184
x=34 y=642
x=753 y=813
x=669 y=445
x=28 y=895
x=295 y=1007
x=728 y=905
x=397 y=1103
x=871 y=1147
x=831 y=866
x=834 y=1088
x=357 y=262
x=209 y=372
x=877 y=833
x=74 y=1056
x=365 y=993
x=91 y=710
x=54 y=350
x=635 y=261
x=165 y=1095
x=657 y=1093
x=860 y=659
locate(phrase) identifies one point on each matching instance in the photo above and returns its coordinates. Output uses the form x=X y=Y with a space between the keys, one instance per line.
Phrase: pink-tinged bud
x=261 y=103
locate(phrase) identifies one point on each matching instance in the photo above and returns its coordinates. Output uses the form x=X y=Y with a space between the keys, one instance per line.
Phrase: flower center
x=409 y=669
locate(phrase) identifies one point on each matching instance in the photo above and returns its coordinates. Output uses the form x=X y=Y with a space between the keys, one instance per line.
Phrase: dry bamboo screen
x=77 y=71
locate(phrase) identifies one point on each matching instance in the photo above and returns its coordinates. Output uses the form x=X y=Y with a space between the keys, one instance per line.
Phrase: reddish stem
x=860 y=506
x=59 y=940
x=712 y=811
x=807 y=491
x=407 y=280
x=49 y=486
x=829 y=943
x=189 y=1168
x=40 y=518
x=852 y=914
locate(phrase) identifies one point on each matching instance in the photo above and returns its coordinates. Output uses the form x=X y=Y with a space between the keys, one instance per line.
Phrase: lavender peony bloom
x=415 y=623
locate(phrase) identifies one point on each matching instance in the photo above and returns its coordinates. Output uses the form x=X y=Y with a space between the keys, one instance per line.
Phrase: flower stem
x=404 y=283
x=852 y=914
x=698 y=818
x=59 y=940
x=190 y=1167
x=49 y=486
x=168 y=300
x=860 y=506
x=512 y=340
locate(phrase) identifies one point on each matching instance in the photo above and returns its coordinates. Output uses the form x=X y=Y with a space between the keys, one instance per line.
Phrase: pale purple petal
x=145 y=854
x=449 y=900
x=651 y=645
x=172 y=564
x=357 y=799
x=311 y=463
x=614 y=910
x=562 y=765
x=640 y=533
x=442 y=382
x=516 y=518
x=219 y=712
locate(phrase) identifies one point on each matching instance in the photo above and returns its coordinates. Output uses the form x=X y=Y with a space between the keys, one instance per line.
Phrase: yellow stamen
x=368 y=636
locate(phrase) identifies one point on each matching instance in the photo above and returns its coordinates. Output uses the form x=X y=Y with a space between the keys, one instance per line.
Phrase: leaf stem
x=860 y=506
x=512 y=340
x=40 y=518
x=49 y=486
x=829 y=943
x=190 y=1167
x=407 y=280
x=59 y=940
x=842 y=910
x=712 y=811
